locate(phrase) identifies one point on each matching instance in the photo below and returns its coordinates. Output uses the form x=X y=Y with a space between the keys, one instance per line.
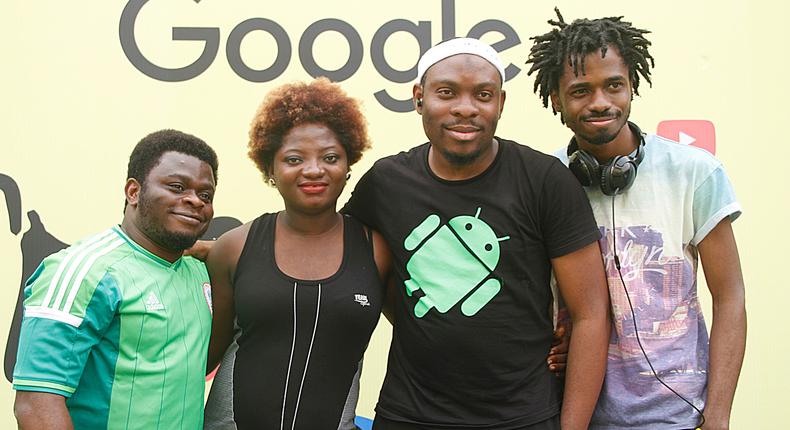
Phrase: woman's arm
x=221 y=263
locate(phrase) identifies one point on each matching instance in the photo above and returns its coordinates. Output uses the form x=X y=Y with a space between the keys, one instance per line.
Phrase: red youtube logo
x=694 y=132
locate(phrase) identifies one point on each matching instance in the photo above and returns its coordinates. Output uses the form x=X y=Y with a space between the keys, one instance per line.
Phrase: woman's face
x=310 y=169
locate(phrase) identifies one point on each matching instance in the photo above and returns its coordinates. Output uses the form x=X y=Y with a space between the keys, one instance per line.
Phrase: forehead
x=309 y=135
x=595 y=67
x=463 y=67
x=174 y=163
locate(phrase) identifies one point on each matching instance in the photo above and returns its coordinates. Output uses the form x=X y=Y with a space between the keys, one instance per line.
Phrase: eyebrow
x=578 y=85
x=185 y=178
x=451 y=83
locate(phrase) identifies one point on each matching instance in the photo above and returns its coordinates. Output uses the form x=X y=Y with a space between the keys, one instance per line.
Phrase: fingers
x=559 y=335
x=558 y=363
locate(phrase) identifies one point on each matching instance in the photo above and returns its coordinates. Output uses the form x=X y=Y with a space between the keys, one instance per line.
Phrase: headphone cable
x=633 y=315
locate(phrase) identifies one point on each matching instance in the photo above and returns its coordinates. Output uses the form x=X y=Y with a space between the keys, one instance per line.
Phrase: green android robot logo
x=450 y=262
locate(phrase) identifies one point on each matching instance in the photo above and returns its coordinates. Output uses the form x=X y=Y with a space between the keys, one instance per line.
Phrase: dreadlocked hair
x=572 y=42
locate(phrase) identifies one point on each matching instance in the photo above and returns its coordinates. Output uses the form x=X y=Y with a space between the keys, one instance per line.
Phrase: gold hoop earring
x=348 y=176
x=272 y=182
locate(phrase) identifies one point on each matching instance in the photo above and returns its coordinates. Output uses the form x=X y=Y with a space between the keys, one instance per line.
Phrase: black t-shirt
x=472 y=263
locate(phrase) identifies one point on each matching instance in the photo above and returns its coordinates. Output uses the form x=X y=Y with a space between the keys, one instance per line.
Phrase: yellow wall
x=73 y=106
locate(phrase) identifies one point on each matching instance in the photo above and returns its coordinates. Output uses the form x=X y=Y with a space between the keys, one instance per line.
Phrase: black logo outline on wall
x=37 y=243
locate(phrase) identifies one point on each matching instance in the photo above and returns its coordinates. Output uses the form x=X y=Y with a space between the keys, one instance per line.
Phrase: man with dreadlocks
x=677 y=211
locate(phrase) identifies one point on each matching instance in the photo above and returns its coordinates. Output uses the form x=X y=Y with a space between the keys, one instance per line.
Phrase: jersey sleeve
x=567 y=220
x=714 y=200
x=363 y=202
x=66 y=314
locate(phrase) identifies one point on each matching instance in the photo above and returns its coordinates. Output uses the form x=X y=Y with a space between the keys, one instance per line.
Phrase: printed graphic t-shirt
x=119 y=332
x=680 y=194
x=472 y=260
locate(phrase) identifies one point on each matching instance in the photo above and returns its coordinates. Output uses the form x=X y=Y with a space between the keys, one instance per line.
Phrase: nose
x=193 y=199
x=465 y=106
x=312 y=169
x=600 y=102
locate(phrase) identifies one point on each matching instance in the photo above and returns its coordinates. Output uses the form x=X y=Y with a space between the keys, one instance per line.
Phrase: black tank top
x=298 y=344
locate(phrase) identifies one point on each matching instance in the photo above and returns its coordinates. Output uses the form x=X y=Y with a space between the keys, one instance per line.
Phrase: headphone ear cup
x=618 y=175
x=585 y=167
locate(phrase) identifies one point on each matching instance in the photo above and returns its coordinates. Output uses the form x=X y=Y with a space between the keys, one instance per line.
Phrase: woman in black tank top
x=297 y=293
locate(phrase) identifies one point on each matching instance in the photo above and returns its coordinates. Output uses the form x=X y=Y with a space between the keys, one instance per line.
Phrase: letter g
x=210 y=35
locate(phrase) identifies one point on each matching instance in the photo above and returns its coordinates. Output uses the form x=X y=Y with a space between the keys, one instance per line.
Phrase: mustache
x=602 y=115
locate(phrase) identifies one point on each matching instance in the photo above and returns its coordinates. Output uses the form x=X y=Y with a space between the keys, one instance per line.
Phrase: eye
x=488 y=247
x=293 y=160
x=579 y=92
x=444 y=92
x=485 y=95
x=616 y=85
x=176 y=187
x=331 y=158
x=206 y=197
x=468 y=226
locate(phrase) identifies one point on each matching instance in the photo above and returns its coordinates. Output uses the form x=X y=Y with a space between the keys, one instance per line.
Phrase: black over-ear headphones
x=615 y=176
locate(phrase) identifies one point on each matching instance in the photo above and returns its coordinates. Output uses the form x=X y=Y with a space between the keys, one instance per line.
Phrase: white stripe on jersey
x=52 y=314
x=75 y=286
x=63 y=285
x=70 y=252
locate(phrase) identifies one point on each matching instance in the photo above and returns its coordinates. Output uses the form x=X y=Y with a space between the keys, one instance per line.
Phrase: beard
x=601 y=138
x=461 y=160
x=155 y=231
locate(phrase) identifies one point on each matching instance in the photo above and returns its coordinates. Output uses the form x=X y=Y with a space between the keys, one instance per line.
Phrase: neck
x=140 y=238
x=449 y=170
x=624 y=143
x=309 y=224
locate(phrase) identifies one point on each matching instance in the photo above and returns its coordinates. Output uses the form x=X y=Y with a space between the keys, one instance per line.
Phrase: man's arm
x=580 y=277
x=722 y=266
x=41 y=411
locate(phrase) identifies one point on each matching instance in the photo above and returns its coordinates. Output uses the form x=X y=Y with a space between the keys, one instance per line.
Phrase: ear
x=132 y=191
x=555 y=101
x=417 y=94
x=502 y=96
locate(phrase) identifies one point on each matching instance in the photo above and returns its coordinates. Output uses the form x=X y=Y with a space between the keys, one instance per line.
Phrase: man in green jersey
x=116 y=326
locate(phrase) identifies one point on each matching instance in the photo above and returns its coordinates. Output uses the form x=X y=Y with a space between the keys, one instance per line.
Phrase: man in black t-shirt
x=476 y=225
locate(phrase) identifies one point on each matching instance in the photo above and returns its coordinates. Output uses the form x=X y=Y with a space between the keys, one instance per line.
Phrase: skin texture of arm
x=722 y=266
x=41 y=411
x=580 y=277
x=221 y=262
x=383 y=259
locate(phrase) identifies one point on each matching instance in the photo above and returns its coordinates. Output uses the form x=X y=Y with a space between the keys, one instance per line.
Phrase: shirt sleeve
x=567 y=220
x=363 y=200
x=714 y=199
x=55 y=338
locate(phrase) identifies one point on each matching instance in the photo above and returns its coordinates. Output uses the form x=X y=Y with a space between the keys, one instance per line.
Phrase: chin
x=600 y=140
x=462 y=158
x=182 y=240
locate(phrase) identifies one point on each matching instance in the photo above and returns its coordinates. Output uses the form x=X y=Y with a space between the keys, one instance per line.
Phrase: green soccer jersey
x=120 y=332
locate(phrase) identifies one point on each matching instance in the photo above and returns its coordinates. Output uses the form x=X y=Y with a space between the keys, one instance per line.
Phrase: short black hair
x=146 y=155
x=149 y=150
x=572 y=42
